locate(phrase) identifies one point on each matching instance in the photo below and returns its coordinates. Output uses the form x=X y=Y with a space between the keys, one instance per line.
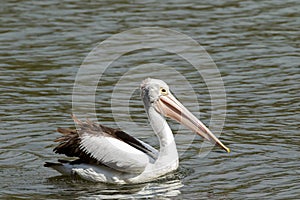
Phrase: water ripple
x=254 y=44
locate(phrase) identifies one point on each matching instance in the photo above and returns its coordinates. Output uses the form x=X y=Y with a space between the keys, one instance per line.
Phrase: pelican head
x=155 y=93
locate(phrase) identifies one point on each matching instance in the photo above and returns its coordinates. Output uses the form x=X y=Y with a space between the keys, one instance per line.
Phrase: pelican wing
x=97 y=144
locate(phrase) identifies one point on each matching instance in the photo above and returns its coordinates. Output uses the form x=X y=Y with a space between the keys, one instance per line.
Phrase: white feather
x=114 y=153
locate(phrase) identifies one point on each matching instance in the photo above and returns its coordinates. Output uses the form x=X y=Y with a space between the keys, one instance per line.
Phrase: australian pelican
x=112 y=156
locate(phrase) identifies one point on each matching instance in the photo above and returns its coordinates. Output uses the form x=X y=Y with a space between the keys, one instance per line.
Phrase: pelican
x=110 y=155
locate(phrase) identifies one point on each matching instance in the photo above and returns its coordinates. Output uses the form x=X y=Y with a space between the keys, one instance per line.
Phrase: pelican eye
x=163 y=91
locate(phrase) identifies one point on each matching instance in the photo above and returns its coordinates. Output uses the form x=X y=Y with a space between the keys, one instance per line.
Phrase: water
x=254 y=44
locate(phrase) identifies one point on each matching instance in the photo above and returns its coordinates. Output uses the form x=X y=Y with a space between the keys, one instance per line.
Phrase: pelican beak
x=169 y=106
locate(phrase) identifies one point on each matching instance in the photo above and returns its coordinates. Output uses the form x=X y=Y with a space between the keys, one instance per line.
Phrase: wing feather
x=114 y=153
x=97 y=144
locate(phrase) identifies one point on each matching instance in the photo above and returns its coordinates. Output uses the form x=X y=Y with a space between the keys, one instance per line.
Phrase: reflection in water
x=167 y=186
x=158 y=190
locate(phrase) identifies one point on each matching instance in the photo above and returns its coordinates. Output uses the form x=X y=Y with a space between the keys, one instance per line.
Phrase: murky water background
x=254 y=44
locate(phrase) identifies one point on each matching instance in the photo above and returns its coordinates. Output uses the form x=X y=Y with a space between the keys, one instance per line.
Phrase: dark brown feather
x=69 y=142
